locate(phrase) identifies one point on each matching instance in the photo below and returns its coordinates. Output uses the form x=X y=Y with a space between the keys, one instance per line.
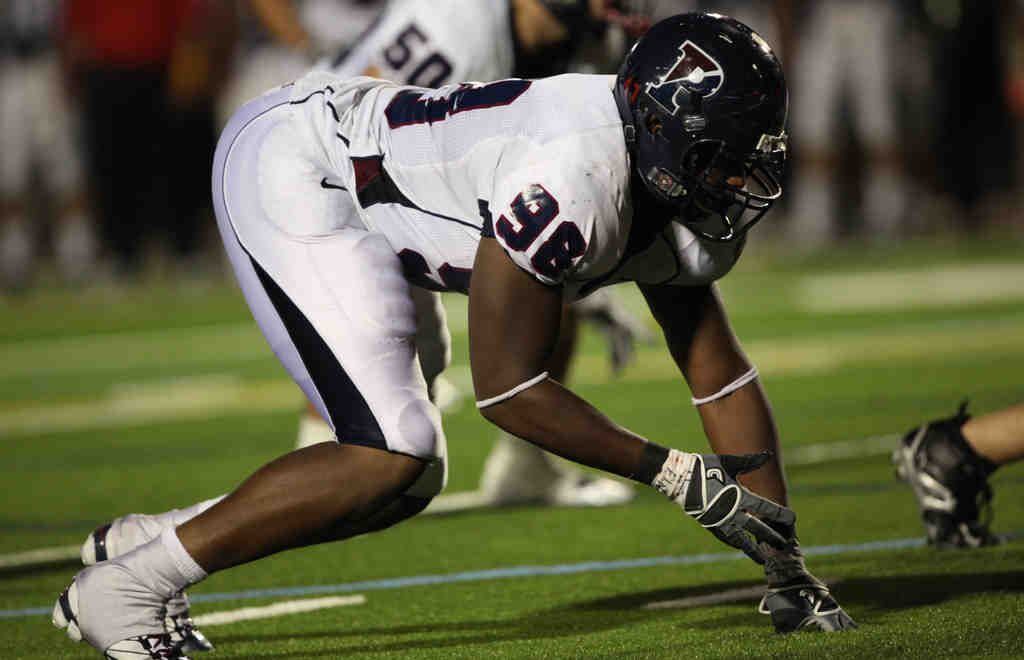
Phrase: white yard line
x=222 y=343
x=739 y=595
x=282 y=608
x=719 y=598
x=40 y=557
x=181 y=399
x=827 y=452
x=898 y=289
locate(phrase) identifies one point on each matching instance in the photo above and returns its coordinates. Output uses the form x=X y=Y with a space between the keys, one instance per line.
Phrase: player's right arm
x=513 y=328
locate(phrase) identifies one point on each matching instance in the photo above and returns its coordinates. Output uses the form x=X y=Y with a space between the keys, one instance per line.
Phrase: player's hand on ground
x=712 y=496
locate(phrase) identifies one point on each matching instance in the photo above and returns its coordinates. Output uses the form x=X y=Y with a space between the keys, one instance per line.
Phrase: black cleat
x=796 y=600
x=950 y=482
x=804 y=605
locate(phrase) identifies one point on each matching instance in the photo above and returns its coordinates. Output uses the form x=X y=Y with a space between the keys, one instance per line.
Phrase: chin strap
x=626 y=115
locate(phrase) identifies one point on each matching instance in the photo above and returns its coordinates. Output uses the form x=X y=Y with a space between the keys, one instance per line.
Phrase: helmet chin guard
x=703 y=101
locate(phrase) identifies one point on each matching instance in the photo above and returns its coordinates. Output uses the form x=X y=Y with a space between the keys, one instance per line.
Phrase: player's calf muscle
x=295 y=500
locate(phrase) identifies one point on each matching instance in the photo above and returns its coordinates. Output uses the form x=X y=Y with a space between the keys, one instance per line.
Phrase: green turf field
x=158 y=395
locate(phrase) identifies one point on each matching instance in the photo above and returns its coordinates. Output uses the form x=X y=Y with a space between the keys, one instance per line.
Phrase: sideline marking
x=278 y=609
x=512 y=572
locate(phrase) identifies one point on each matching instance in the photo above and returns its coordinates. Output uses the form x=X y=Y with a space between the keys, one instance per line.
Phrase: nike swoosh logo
x=330 y=186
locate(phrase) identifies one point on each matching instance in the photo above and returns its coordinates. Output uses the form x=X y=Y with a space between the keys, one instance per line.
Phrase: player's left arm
x=710 y=357
x=513 y=327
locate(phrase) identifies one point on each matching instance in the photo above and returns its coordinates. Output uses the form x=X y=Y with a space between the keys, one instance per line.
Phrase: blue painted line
x=509 y=573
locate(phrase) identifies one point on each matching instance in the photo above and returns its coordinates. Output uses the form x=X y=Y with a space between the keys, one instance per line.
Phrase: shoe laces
x=160 y=646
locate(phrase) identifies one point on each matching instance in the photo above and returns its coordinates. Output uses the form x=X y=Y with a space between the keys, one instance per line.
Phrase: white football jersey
x=429 y=44
x=540 y=165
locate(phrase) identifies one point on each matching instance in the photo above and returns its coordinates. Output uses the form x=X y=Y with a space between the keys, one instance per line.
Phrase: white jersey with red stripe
x=540 y=165
x=430 y=44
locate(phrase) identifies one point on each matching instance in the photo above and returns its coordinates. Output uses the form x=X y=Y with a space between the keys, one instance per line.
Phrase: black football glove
x=712 y=496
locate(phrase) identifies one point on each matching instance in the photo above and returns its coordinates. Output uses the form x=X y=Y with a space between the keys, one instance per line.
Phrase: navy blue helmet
x=704 y=104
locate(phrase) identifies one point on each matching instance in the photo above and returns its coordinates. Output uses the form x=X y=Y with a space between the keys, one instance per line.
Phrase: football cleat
x=106 y=609
x=125 y=534
x=950 y=482
x=588 y=490
x=517 y=473
x=795 y=599
x=804 y=605
x=182 y=629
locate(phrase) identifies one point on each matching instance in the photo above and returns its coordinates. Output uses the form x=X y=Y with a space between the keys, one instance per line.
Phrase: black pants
x=124 y=124
x=190 y=159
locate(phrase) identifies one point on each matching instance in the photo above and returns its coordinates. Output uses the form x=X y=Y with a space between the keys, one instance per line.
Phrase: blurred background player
x=845 y=50
x=121 y=57
x=948 y=462
x=436 y=43
x=280 y=39
x=39 y=140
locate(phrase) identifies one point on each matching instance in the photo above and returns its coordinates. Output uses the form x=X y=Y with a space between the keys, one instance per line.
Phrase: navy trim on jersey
x=330 y=104
x=334 y=111
x=353 y=420
x=323 y=91
x=487 y=230
x=646 y=227
x=375 y=186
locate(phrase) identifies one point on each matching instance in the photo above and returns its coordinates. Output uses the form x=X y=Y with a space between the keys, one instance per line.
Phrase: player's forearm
x=552 y=417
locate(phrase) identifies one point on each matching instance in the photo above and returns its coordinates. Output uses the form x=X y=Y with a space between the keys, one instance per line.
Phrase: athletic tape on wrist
x=728 y=389
x=505 y=396
x=675 y=474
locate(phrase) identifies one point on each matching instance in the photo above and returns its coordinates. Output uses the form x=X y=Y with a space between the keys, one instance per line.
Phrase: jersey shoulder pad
x=549 y=215
x=678 y=257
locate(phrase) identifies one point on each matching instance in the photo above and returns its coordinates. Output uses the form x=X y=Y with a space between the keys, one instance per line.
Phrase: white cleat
x=590 y=491
x=119 y=536
x=517 y=473
x=110 y=611
x=125 y=534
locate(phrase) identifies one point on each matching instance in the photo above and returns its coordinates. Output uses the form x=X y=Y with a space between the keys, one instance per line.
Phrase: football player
x=948 y=461
x=37 y=131
x=432 y=44
x=332 y=195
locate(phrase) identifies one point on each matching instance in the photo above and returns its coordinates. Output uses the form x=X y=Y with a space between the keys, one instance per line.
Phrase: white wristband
x=728 y=389
x=505 y=396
